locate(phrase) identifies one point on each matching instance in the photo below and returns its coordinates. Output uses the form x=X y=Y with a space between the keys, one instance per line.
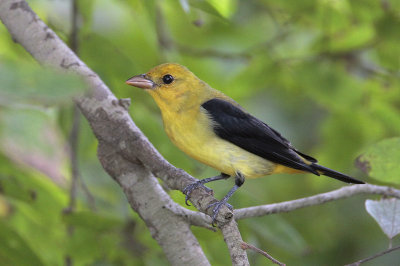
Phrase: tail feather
x=334 y=174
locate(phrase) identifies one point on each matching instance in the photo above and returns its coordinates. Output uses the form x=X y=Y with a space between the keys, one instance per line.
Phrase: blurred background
x=324 y=73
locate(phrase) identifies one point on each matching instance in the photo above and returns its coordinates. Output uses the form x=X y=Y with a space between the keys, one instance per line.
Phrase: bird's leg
x=188 y=190
x=239 y=180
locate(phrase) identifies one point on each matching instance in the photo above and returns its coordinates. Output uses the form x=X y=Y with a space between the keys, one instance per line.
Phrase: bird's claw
x=217 y=206
x=189 y=189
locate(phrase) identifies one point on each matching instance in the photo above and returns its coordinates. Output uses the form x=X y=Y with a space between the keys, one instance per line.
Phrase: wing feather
x=233 y=124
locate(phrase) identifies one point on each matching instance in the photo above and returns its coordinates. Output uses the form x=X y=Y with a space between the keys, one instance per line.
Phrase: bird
x=212 y=128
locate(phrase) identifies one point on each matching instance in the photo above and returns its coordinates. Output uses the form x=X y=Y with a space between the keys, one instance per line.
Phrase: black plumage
x=233 y=124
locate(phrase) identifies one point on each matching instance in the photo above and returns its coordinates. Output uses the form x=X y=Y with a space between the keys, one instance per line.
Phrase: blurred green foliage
x=324 y=73
x=20 y=84
x=381 y=161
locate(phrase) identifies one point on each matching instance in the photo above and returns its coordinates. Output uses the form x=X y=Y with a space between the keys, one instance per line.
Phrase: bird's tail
x=337 y=175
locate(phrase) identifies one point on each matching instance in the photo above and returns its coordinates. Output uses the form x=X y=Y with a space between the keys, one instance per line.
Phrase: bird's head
x=169 y=84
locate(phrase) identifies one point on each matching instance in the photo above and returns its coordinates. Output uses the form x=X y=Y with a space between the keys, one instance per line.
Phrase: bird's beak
x=140 y=81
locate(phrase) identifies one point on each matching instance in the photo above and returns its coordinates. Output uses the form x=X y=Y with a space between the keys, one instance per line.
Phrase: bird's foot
x=189 y=189
x=217 y=206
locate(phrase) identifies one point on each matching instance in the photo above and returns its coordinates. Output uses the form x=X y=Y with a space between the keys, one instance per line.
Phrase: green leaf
x=92 y=221
x=381 y=161
x=386 y=213
x=225 y=7
x=352 y=38
x=207 y=7
x=280 y=233
x=32 y=84
x=13 y=248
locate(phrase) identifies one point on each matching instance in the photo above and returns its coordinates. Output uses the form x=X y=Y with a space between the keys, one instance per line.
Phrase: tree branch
x=192 y=217
x=340 y=193
x=233 y=240
x=127 y=156
x=374 y=256
x=262 y=252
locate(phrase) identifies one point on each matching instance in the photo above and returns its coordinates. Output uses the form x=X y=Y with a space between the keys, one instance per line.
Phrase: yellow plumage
x=190 y=128
x=224 y=136
x=213 y=129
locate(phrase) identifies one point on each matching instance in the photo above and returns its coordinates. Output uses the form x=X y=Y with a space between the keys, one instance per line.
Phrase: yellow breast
x=193 y=134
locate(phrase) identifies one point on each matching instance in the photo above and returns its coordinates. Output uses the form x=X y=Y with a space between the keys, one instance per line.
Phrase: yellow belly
x=195 y=138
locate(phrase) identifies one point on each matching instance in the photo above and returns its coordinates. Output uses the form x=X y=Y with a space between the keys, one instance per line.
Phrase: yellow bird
x=215 y=130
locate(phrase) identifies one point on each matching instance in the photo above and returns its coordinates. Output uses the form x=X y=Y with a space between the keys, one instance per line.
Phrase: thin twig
x=74 y=133
x=73 y=139
x=89 y=196
x=73 y=37
x=165 y=41
x=262 y=252
x=341 y=193
x=373 y=256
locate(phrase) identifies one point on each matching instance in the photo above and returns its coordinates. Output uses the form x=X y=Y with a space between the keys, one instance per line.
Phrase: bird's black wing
x=249 y=133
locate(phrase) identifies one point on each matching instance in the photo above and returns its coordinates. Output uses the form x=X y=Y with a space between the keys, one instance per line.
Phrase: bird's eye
x=167 y=79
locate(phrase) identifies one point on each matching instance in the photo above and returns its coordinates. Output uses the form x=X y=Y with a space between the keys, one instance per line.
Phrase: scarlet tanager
x=215 y=130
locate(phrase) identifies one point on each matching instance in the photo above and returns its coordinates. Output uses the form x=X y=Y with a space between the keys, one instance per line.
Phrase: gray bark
x=341 y=193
